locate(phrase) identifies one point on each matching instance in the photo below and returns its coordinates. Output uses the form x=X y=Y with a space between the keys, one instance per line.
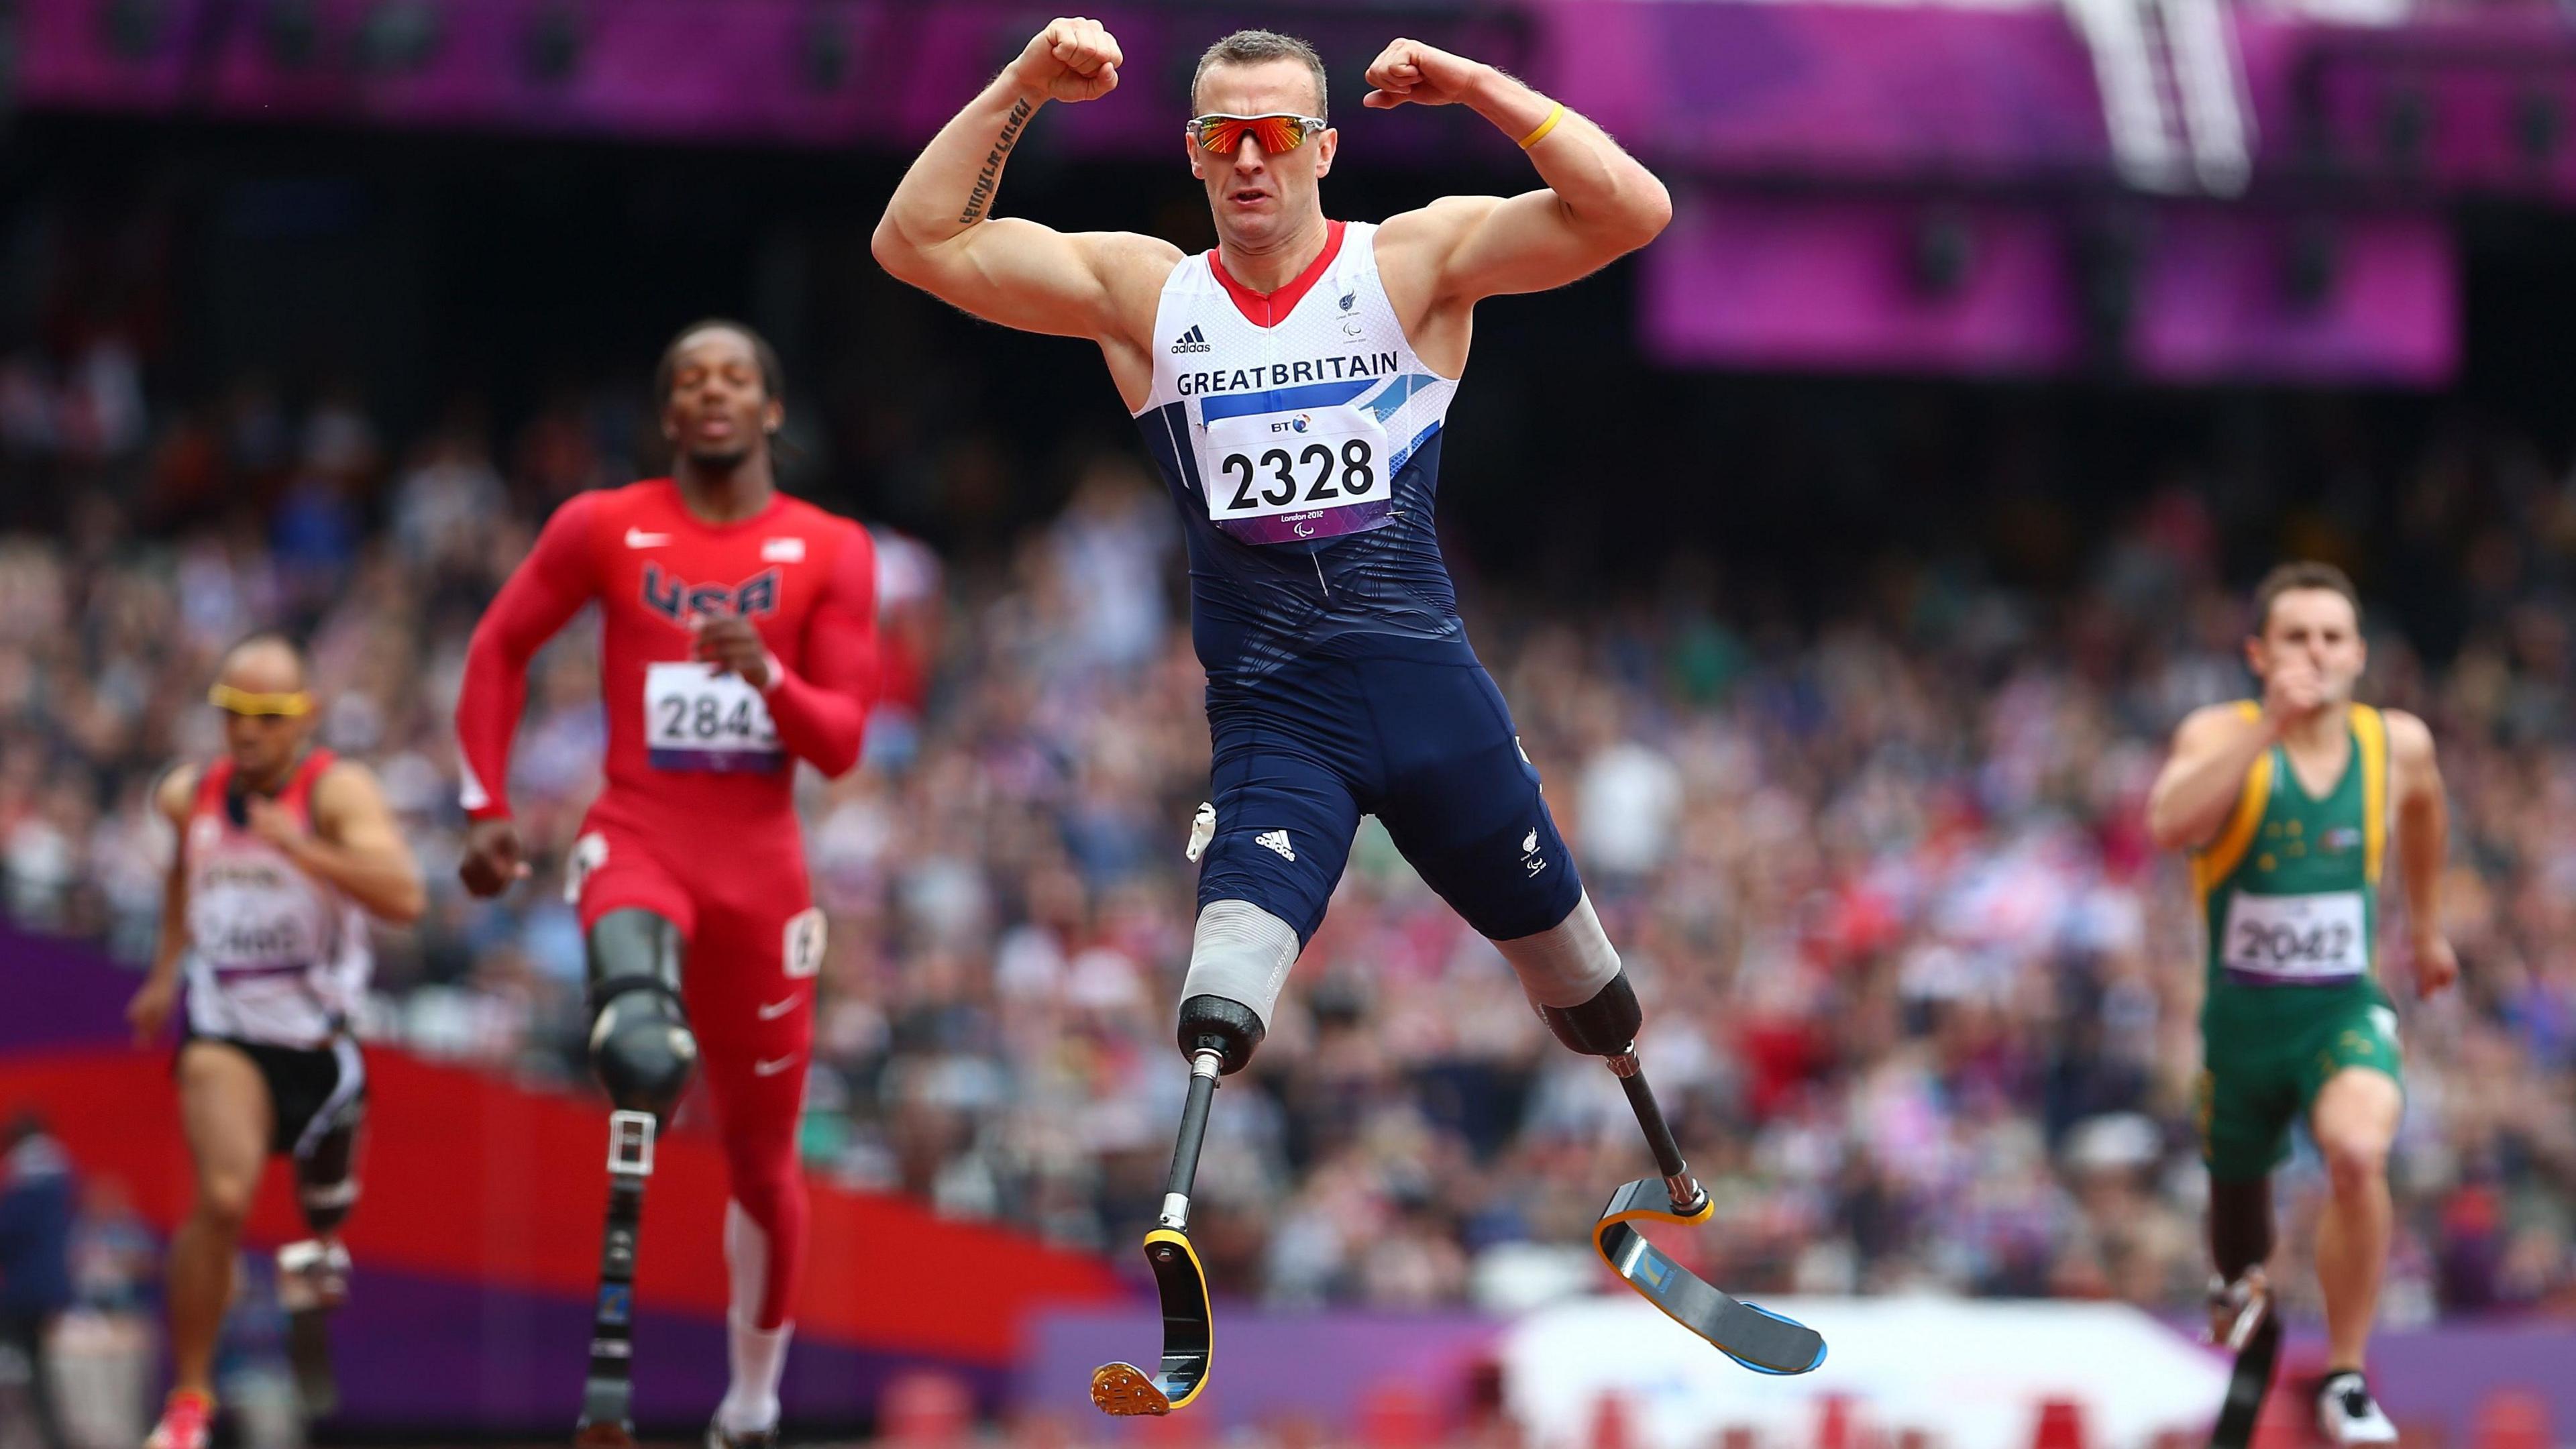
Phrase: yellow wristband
x=1555 y=114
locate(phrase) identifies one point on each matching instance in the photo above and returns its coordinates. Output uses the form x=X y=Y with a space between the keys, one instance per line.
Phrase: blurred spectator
x=108 y=1346
x=36 y=1199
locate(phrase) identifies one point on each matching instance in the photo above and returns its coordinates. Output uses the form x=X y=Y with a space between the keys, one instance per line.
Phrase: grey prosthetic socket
x=640 y=1045
x=1565 y=965
x=1239 y=960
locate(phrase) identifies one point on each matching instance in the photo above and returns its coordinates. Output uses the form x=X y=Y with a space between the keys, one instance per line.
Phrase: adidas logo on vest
x=1193 y=340
x=1276 y=840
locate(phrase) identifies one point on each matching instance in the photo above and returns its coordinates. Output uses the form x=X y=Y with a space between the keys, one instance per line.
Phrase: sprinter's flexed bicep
x=938 y=232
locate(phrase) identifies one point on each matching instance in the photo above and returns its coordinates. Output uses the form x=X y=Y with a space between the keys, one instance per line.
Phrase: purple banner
x=2474 y=102
x=56 y=993
x=2211 y=293
x=415 y=1353
x=1860 y=91
x=1327 y=1368
x=1835 y=282
x=2481 y=101
x=810 y=72
x=2225 y=294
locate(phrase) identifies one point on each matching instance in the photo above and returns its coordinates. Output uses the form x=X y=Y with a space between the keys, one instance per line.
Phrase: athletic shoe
x=718 y=1437
x=2237 y=1309
x=2347 y=1414
x=185 y=1422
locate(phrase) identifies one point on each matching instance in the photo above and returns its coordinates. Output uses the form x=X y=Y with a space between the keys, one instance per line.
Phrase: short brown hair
x=2303 y=574
x=1251 y=47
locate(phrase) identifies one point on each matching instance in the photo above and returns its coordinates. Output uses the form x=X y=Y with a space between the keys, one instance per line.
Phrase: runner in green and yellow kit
x=2287 y=806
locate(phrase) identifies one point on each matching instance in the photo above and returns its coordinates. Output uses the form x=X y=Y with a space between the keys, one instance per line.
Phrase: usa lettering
x=676 y=599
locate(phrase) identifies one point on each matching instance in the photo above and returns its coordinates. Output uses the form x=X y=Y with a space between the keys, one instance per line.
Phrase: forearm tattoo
x=986 y=179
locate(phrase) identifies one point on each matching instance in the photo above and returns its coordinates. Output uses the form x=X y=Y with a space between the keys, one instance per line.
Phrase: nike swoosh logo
x=776 y=1009
x=772 y=1068
x=638 y=538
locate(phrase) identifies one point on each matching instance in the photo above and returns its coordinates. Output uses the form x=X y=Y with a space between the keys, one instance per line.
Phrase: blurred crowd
x=1921 y=995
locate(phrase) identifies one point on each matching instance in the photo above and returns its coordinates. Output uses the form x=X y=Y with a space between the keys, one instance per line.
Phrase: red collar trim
x=1264 y=309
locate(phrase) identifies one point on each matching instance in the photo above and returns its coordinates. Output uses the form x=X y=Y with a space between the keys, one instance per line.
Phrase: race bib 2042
x=697 y=719
x=2296 y=939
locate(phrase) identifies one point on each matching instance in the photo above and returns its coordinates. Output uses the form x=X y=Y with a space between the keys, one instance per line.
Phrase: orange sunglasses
x=1223 y=135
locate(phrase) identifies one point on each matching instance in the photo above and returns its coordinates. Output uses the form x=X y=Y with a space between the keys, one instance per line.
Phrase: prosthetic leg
x=2240 y=1304
x=1219 y=1036
x=313 y=1275
x=642 y=1052
x=1606 y=1027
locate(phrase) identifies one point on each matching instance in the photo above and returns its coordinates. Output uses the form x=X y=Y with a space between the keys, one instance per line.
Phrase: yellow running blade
x=1124 y=1389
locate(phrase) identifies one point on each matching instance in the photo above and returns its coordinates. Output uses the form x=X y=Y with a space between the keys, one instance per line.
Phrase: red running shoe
x=185 y=1421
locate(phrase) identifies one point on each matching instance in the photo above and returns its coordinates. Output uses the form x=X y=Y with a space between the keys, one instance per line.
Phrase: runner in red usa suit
x=738 y=637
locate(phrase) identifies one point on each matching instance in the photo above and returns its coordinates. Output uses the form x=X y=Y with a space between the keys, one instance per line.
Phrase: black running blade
x=1122 y=1389
x=1760 y=1340
x=2246 y=1386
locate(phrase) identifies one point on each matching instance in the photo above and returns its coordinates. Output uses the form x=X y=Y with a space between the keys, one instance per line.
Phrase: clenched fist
x=2293 y=689
x=150 y=1008
x=733 y=646
x=495 y=858
x=1426 y=75
x=275 y=824
x=2437 y=966
x=1073 y=59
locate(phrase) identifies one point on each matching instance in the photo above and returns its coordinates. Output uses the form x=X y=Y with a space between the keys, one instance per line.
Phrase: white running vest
x=275 y=956
x=1296 y=430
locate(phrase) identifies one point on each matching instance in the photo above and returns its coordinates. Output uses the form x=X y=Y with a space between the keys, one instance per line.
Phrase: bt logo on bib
x=1298 y=424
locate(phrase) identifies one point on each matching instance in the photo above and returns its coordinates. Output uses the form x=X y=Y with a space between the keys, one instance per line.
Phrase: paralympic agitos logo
x=676 y=599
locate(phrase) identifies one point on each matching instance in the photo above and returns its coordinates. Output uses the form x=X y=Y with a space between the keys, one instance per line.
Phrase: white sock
x=757 y=1358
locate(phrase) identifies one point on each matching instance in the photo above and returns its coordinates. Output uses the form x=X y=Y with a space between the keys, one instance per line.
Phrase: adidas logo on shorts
x=1193 y=340
x=1276 y=840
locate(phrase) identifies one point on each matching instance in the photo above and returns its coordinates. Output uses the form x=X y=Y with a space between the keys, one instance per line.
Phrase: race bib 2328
x=1283 y=467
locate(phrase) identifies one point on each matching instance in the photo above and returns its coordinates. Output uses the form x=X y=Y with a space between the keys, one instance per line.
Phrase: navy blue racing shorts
x=1426 y=747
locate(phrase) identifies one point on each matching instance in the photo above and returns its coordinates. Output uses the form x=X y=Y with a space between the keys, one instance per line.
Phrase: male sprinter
x=2286 y=806
x=738 y=637
x=1291 y=386
x=283 y=852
